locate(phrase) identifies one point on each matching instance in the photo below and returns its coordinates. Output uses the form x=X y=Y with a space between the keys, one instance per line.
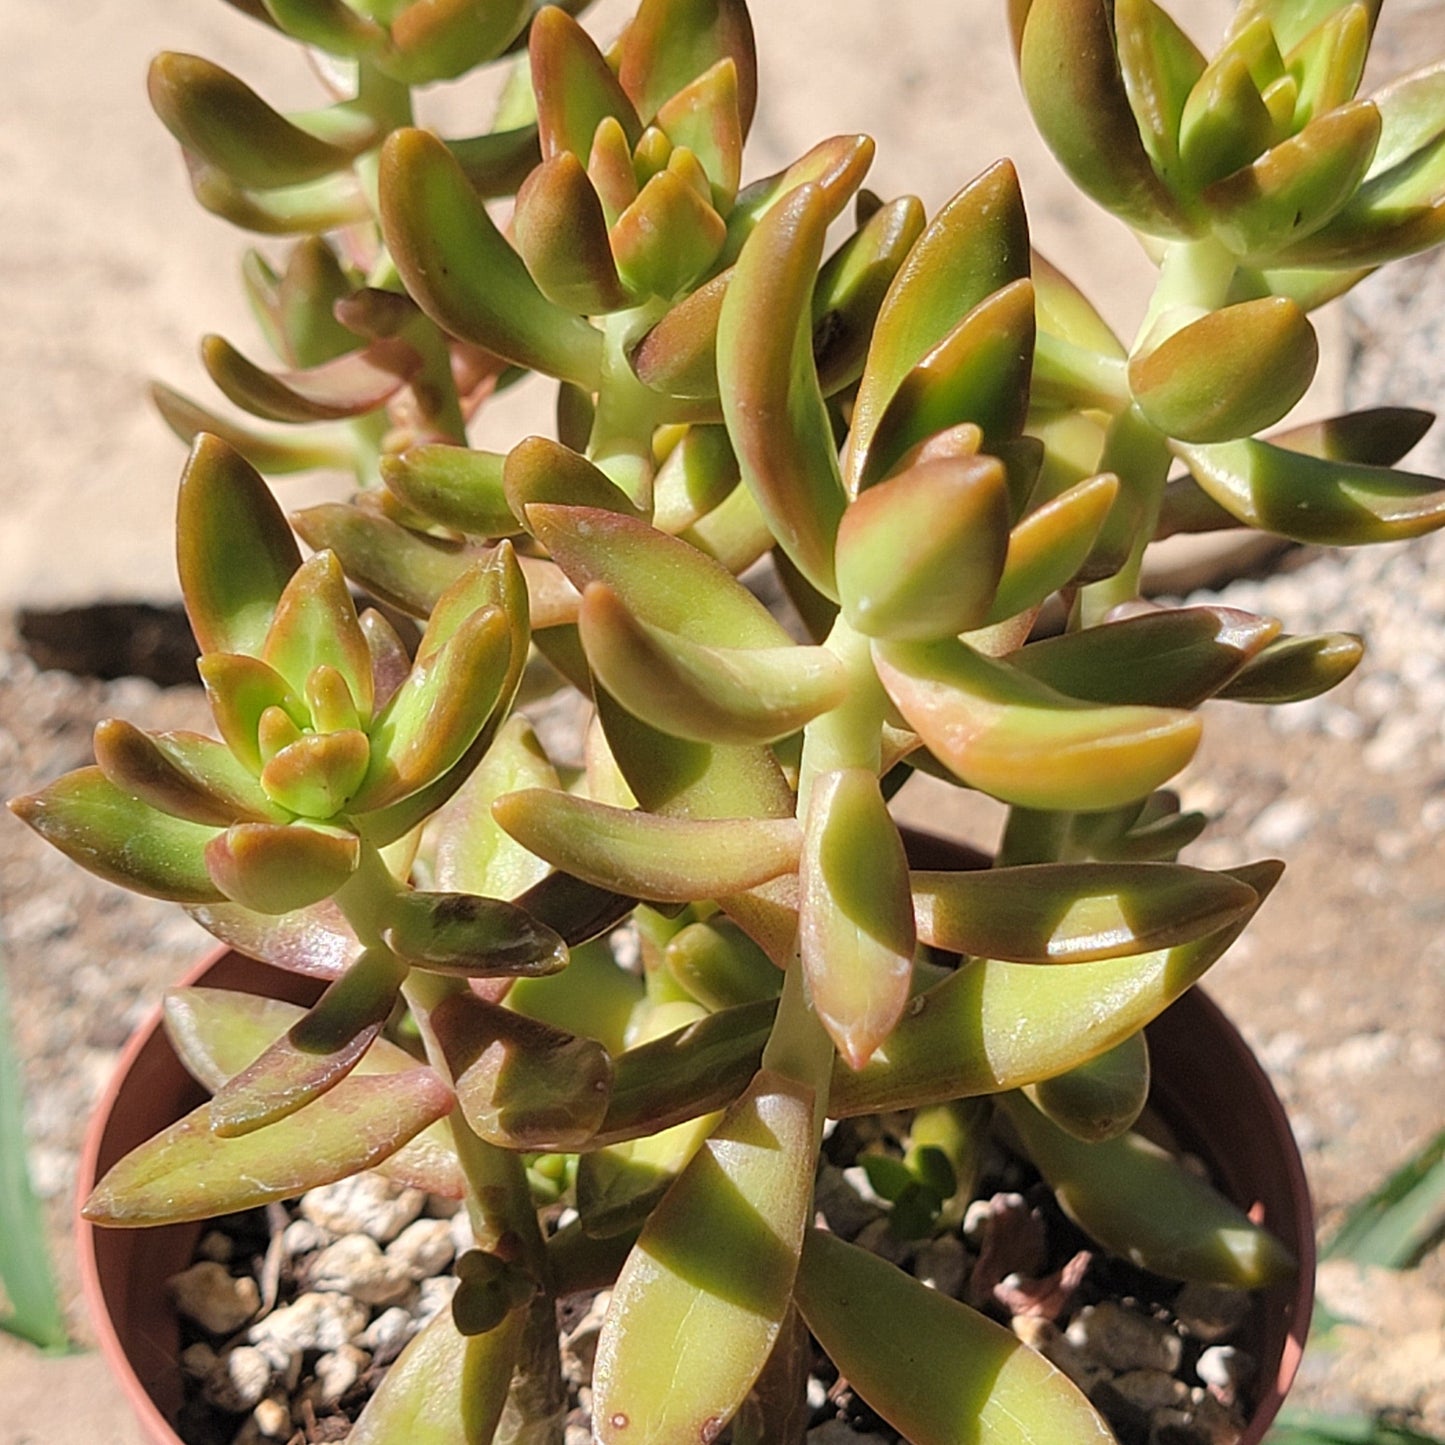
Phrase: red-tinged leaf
x=1007 y=734
x=659 y=579
x=464 y=933
x=647 y=856
x=316 y=941
x=459 y=487
x=667 y=238
x=561 y=233
x=575 y=88
x=435 y=715
x=678 y=357
x=349 y=386
x=188 y=1172
x=275 y=868
x=217 y=1033
x=120 y=838
x=976 y=245
x=772 y=402
x=186 y=775
x=855 y=917
x=1292 y=669
x=315 y=1053
x=705 y=117
x=707 y=694
x=443 y=39
x=234 y=551
x=445 y=1388
x=670 y=43
x=539 y=470
x=273 y=453
x=316 y=623
x=241 y=690
x=522 y=1084
x=315 y=206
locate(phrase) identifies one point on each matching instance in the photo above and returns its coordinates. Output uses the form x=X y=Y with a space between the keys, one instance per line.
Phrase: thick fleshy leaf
x=976 y=245
x=315 y=1053
x=350 y=386
x=217 y=1033
x=1309 y=499
x=1229 y=374
x=234 y=551
x=1295 y=187
x=562 y=235
x=978 y=373
x=457 y=486
x=705 y=116
x=522 y=1084
x=920 y=555
x=539 y=470
x=855 y=918
x=772 y=402
x=307 y=209
x=1071 y=79
x=186 y=775
x=851 y=286
x=697 y=476
x=887 y=1333
x=667 y=238
x=445 y=1388
x=661 y=580
x=216 y=116
x=315 y=941
x=707 y=694
x=575 y=88
x=647 y=856
x=1226 y=124
x=241 y=691
x=1065 y=312
x=330 y=25
x=464 y=933
x=460 y=270
x=315 y=624
x=277 y=868
x=189 y=1172
x=437 y=711
x=1159 y=66
x=1049 y=547
x=1174 y=657
x=720 y=966
x=670 y=43
x=1330 y=61
x=118 y=837
x=443 y=39
x=318 y=774
x=497 y=162
x=678 y=357
x=1003 y=732
x=710 y=1280
x=1075 y=912
x=1137 y=1200
x=1292 y=669
x=993 y=1026
x=1100 y=1099
x=618 y=1187
x=272 y=453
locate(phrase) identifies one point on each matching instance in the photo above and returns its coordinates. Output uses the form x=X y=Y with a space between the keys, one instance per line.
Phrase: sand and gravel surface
x=110 y=274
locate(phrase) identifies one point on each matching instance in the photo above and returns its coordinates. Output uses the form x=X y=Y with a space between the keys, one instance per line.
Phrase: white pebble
x=209 y=1296
x=338 y=1370
x=387 y=1334
x=423 y=1248
x=238 y=1379
x=356 y=1266
x=311 y=1322
x=363 y=1204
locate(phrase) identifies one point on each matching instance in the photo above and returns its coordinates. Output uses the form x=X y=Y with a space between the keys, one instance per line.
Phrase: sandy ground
x=111 y=273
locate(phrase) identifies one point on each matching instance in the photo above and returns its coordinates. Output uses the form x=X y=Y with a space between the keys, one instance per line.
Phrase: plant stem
x=622 y=427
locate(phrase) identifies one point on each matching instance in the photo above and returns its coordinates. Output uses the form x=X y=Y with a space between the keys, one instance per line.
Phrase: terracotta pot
x=1207 y=1086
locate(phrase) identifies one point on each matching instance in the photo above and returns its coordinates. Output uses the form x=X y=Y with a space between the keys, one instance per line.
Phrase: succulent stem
x=621 y=440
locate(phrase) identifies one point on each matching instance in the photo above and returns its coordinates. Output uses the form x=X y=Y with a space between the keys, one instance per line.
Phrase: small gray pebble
x=433 y=1297
x=301 y=1236
x=216 y=1246
x=942 y=1264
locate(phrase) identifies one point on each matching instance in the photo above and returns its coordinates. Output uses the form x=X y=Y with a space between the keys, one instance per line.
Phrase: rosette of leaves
x=932 y=435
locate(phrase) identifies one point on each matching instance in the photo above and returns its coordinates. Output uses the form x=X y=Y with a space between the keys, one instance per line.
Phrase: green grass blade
x=1398 y=1223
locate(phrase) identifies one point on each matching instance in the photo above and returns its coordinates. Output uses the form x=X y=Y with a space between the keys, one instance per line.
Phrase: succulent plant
x=937 y=442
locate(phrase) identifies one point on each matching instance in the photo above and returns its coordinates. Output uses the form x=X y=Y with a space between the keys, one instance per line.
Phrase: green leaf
x=855 y=918
x=772 y=402
x=1001 y=731
x=275 y=868
x=647 y=856
x=445 y=1388
x=217 y=117
x=575 y=88
x=678 y=357
x=307 y=209
x=119 y=838
x=1329 y=62
x=470 y=935
x=1159 y=66
x=497 y=162
x=1292 y=669
x=993 y=1026
x=920 y=555
x=314 y=625
x=696 y=477
x=707 y=694
x=710 y=1280
x=1225 y=124
x=1099 y=1099
x=318 y=774
x=1137 y=1200
x=241 y=691
x=460 y=270
x=976 y=245
x=667 y=238
x=1075 y=912
x=234 y=551
x=936 y=1370
x=720 y=966
x=1310 y=499
x=1173 y=657
x=187 y=1171
x=1072 y=82
x=272 y=453
x=669 y=43
x=456 y=486
x=1398 y=1222
x=539 y=470
x=705 y=117
x=443 y=39
x=561 y=234
x=522 y=1084
x=1229 y=374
